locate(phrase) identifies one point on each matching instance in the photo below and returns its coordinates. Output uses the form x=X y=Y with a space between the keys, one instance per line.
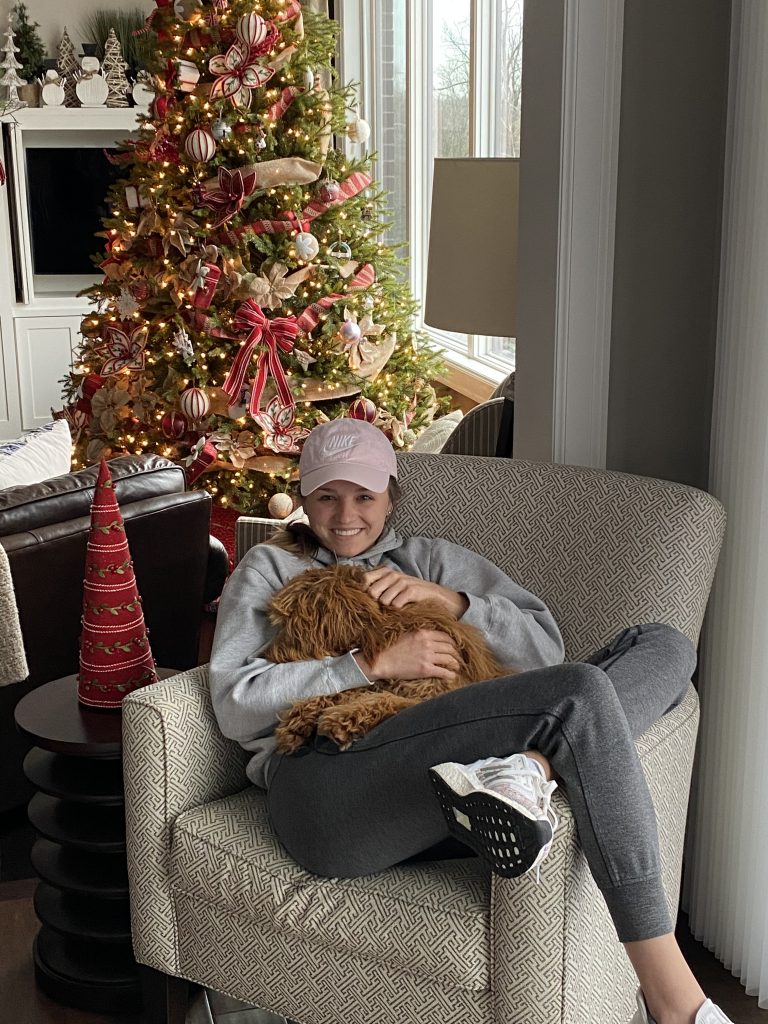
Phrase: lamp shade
x=472 y=266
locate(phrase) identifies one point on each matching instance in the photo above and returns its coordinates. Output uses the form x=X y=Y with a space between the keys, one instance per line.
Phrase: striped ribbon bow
x=276 y=336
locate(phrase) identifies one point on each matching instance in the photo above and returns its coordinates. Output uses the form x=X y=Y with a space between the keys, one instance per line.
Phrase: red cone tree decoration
x=115 y=657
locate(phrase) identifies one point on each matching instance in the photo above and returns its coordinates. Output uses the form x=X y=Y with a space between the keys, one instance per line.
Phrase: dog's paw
x=288 y=742
x=344 y=724
x=299 y=722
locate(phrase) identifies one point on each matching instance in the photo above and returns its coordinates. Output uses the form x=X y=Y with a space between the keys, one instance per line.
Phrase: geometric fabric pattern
x=216 y=899
x=601 y=549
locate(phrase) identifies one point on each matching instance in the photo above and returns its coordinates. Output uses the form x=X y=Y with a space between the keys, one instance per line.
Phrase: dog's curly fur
x=323 y=613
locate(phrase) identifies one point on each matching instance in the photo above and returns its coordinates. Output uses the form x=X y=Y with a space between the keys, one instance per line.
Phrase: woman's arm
x=247 y=691
x=518 y=626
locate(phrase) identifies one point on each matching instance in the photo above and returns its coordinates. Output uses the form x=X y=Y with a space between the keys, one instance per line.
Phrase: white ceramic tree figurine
x=10 y=79
x=113 y=69
x=69 y=69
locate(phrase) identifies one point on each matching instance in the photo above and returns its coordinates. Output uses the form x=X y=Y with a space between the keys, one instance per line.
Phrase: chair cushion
x=430 y=918
x=38 y=455
x=433 y=437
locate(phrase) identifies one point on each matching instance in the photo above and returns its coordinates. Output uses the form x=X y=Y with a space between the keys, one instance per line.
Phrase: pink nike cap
x=347 y=449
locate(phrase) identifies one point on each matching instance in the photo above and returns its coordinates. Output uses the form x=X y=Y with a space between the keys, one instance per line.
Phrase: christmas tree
x=10 y=80
x=30 y=44
x=113 y=68
x=247 y=294
x=69 y=69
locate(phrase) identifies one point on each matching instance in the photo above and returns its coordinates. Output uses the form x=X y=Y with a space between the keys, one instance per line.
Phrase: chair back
x=484 y=430
x=604 y=550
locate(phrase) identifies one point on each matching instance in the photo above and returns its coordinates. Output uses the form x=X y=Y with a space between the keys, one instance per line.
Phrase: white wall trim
x=592 y=60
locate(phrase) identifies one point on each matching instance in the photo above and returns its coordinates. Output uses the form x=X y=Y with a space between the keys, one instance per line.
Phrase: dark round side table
x=82 y=953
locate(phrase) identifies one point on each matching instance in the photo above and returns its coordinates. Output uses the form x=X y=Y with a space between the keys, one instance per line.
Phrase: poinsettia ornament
x=232 y=190
x=280 y=432
x=124 y=347
x=272 y=288
x=237 y=72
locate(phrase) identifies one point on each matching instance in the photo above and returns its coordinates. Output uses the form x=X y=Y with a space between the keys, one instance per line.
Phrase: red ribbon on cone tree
x=115 y=656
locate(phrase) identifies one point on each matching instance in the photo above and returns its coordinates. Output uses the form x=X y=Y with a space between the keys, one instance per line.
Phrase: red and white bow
x=277 y=335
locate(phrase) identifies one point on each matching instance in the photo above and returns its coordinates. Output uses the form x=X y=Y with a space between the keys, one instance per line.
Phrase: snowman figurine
x=92 y=89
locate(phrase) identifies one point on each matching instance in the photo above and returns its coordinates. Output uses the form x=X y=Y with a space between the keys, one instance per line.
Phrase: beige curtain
x=727 y=861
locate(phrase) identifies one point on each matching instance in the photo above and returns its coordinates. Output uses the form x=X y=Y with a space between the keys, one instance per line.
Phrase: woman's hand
x=398 y=589
x=425 y=654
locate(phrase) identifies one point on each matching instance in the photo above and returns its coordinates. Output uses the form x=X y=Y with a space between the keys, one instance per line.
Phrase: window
x=441 y=78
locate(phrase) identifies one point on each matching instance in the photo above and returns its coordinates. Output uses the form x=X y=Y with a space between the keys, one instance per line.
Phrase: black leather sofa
x=44 y=530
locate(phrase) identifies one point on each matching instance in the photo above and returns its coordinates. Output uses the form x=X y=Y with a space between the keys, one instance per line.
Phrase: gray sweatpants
x=362 y=810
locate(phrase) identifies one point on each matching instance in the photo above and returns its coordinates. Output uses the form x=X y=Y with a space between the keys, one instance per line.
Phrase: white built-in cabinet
x=38 y=325
x=45 y=346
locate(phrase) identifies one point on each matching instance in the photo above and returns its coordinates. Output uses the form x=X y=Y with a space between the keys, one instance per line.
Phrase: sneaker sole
x=497 y=830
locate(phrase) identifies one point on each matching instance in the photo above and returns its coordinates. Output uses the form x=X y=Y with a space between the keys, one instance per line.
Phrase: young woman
x=498 y=744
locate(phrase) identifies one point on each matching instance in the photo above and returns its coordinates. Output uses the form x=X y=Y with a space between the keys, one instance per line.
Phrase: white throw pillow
x=433 y=437
x=37 y=455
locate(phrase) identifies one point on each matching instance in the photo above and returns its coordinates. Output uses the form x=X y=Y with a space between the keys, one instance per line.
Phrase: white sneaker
x=707 y=1013
x=500 y=807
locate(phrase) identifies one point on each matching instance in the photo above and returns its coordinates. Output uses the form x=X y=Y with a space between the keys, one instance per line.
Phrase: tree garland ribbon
x=350 y=187
x=287 y=96
x=310 y=318
x=278 y=334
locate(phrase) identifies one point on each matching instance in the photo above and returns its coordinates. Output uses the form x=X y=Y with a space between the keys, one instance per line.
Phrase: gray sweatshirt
x=248 y=691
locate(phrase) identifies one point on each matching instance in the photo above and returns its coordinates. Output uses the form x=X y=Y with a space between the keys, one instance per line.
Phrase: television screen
x=67 y=201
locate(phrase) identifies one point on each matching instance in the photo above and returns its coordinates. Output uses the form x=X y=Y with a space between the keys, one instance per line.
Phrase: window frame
x=472 y=372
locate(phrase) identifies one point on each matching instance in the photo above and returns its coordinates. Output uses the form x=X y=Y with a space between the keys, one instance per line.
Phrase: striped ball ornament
x=195 y=404
x=362 y=409
x=252 y=29
x=200 y=145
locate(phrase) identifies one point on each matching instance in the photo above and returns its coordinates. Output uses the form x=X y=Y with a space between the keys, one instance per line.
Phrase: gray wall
x=54 y=16
x=673 y=111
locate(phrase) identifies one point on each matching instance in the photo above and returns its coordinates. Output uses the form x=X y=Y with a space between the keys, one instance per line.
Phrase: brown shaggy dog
x=323 y=613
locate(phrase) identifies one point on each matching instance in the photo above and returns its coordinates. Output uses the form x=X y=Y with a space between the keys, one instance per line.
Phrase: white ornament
x=358 y=131
x=350 y=331
x=306 y=245
x=309 y=79
x=280 y=505
x=126 y=304
x=142 y=94
x=220 y=129
x=200 y=145
x=194 y=403
x=135 y=198
x=183 y=344
x=252 y=30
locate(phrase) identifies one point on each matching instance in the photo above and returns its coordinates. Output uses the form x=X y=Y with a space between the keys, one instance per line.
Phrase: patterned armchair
x=214 y=897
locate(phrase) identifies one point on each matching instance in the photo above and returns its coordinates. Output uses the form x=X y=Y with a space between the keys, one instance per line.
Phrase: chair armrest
x=562 y=925
x=174 y=759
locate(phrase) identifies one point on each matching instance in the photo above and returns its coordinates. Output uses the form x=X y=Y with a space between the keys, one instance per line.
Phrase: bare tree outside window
x=450 y=81
x=510 y=51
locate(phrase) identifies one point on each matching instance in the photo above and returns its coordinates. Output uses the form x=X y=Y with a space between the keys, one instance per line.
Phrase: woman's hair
x=298 y=538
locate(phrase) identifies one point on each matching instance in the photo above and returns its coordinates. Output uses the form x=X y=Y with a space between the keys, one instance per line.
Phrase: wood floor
x=21 y=1003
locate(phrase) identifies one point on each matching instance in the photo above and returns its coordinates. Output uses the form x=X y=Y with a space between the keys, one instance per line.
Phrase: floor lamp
x=472 y=264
